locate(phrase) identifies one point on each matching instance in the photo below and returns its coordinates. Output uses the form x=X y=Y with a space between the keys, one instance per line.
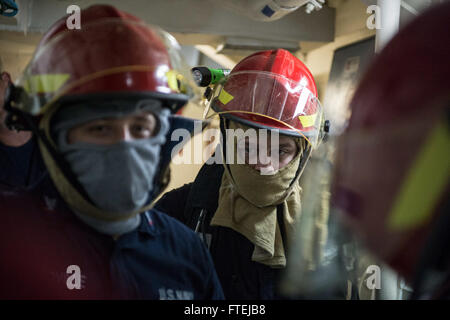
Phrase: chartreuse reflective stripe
x=225 y=97
x=172 y=82
x=45 y=83
x=425 y=182
x=308 y=121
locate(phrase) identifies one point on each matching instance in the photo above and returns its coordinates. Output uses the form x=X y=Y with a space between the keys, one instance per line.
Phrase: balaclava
x=118 y=178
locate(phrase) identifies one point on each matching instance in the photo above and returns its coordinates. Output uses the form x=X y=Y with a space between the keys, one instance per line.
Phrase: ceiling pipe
x=389 y=13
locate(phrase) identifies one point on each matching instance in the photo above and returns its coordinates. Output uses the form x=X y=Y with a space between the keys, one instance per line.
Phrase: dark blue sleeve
x=173 y=203
x=20 y=167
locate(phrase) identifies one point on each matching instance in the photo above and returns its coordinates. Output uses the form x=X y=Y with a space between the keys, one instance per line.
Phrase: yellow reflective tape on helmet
x=91 y=77
x=45 y=83
x=308 y=121
x=176 y=81
x=225 y=97
x=172 y=82
x=424 y=184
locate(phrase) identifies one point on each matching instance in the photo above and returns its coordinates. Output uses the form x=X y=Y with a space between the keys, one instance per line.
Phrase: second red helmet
x=271 y=90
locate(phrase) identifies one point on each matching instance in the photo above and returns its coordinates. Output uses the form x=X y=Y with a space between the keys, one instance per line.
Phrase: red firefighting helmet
x=392 y=169
x=113 y=53
x=113 y=56
x=271 y=90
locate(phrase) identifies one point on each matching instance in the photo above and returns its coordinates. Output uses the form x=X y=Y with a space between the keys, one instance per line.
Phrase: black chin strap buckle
x=326 y=130
x=16 y=119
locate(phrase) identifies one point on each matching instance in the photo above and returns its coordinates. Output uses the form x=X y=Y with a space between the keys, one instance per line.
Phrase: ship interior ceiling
x=217 y=31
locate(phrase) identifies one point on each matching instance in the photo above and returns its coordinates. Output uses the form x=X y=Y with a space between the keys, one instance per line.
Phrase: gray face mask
x=118 y=178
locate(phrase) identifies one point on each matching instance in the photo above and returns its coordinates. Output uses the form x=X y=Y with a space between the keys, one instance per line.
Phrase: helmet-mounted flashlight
x=205 y=76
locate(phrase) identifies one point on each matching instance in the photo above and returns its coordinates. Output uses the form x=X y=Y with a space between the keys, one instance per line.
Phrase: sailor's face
x=114 y=130
x=284 y=150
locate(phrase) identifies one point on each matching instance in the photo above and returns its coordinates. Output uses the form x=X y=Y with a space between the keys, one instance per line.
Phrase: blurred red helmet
x=392 y=169
x=272 y=90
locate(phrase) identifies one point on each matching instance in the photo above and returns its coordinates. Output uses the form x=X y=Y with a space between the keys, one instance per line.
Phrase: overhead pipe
x=389 y=13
